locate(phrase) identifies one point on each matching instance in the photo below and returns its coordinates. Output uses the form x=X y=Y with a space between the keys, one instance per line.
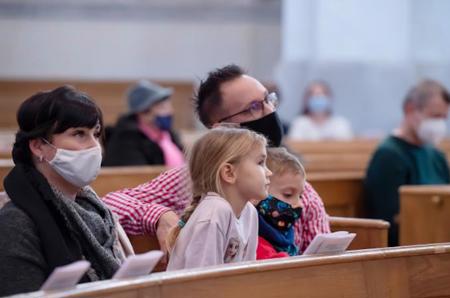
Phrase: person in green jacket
x=409 y=155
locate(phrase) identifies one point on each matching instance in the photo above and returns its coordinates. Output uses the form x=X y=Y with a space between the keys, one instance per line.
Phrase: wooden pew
x=116 y=178
x=370 y=233
x=5 y=166
x=109 y=178
x=363 y=146
x=337 y=156
x=7 y=138
x=411 y=271
x=341 y=192
x=109 y=95
x=317 y=163
x=424 y=214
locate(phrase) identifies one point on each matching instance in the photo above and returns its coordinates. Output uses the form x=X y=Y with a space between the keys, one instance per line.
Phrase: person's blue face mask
x=319 y=104
x=164 y=122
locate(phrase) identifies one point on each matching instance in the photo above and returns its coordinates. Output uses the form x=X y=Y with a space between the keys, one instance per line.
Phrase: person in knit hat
x=144 y=135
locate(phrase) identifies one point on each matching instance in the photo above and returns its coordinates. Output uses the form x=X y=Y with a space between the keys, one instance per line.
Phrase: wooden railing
x=414 y=271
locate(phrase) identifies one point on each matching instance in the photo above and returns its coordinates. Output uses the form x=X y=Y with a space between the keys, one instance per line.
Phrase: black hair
x=208 y=95
x=423 y=91
x=51 y=112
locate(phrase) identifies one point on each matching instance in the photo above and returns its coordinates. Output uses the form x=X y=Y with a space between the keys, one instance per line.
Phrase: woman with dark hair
x=317 y=121
x=53 y=217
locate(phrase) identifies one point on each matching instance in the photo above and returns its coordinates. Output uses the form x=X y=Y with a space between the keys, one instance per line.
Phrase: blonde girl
x=228 y=169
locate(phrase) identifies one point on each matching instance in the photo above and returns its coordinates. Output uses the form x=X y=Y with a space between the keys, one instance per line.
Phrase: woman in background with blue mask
x=317 y=121
x=52 y=217
x=144 y=136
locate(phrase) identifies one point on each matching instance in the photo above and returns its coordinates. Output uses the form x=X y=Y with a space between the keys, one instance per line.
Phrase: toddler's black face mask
x=277 y=213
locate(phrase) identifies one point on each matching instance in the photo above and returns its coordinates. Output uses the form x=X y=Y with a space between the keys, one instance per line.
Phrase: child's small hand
x=165 y=223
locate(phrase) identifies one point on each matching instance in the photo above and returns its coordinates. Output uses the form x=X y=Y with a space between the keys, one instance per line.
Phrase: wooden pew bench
x=370 y=233
x=5 y=166
x=414 y=271
x=424 y=214
x=109 y=95
x=331 y=156
x=341 y=192
x=116 y=178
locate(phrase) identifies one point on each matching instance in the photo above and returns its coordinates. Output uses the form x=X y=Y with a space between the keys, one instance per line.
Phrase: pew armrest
x=351 y=222
x=370 y=233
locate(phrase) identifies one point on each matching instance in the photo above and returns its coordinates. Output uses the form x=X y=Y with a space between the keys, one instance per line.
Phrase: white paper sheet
x=331 y=243
x=139 y=265
x=66 y=276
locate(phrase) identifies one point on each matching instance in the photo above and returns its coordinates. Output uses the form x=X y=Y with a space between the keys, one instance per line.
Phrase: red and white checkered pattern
x=139 y=208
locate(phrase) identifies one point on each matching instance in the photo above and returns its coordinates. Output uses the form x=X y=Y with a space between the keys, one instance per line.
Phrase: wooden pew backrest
x=341 y=192
x=116 y=178
x=109 y=95
x=424 y=214
x=416 y=271
x=370 y=233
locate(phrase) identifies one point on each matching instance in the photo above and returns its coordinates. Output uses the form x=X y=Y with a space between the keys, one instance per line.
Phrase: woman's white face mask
x=432 y=130
x=78 y=167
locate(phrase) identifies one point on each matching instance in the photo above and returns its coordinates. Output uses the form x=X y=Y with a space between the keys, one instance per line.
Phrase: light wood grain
x=416 y=271
x=424 y=214
x=109 y=95
x=370 y=233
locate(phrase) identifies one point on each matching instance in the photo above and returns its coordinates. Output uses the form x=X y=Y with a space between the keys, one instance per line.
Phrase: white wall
x=370 y=51
x=124 y=49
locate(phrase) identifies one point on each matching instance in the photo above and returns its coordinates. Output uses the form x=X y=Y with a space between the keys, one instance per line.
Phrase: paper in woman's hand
x=139 y=265
x=66 y=276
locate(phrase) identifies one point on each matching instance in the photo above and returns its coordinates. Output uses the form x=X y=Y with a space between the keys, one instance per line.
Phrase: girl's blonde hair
x=208 y=155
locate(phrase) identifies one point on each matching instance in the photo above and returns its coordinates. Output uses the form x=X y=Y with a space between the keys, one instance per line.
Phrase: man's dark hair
x=208 y=96
x=423 y=91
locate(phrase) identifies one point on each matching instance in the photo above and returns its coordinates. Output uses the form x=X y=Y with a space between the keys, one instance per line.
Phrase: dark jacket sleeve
x=125 y=149
x=23 y=265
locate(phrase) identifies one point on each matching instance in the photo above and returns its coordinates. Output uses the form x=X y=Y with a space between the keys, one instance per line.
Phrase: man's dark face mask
x=270 y=126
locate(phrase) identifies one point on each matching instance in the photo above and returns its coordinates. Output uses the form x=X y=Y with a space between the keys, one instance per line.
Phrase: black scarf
x=29 y=190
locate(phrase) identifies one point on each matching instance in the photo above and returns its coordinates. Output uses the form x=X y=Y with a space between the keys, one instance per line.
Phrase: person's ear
x=36 y=148
x=409 y=108
x=228 y=173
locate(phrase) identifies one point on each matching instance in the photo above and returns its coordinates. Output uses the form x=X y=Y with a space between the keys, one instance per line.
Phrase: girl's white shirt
x=214 y=235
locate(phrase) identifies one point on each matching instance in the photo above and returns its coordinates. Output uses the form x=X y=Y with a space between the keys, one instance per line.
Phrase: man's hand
x=165 y=223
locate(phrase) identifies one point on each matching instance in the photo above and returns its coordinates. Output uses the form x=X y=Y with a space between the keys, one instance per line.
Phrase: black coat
x=128 y=146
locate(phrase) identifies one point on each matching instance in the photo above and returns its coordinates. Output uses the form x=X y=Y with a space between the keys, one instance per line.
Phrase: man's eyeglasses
x=256 y=108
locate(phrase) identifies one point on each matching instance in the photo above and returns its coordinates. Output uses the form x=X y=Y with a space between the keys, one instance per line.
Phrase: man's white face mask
x=432 y=130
